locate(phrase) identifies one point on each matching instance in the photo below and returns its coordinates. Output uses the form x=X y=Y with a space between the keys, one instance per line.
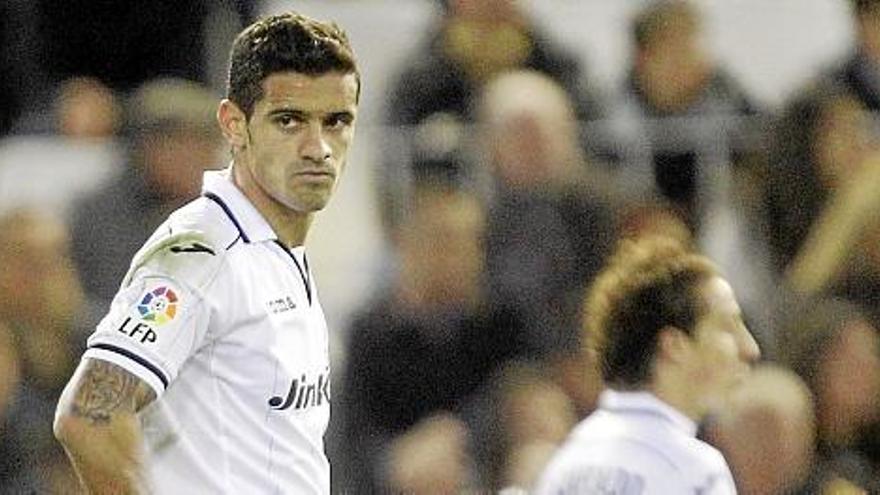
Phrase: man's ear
x=673 y=345
x=233 y=124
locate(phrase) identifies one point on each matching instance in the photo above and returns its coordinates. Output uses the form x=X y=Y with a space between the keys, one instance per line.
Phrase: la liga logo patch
x=158 y=306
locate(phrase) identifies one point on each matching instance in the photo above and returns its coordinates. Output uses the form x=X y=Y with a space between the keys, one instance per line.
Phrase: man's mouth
x=316 y=174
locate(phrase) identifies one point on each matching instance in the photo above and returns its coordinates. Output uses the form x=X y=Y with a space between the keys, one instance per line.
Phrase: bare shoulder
x=100 y=389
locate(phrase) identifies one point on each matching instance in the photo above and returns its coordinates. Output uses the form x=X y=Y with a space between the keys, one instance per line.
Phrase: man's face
x=38 y=282
x=298 y=138
x=848 y=379
x=673 y=66
x=723 y=348
x=450 y=274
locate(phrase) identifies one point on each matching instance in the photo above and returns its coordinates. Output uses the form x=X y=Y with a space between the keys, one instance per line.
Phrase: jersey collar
x=251 y=224
x=645 y=403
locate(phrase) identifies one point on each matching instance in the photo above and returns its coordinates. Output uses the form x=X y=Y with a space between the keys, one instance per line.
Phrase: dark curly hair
x=285 y=42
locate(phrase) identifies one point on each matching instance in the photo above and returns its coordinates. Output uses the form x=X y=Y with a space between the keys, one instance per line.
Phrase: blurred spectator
x=471 y=42
x=425 y=343
x=824 y=202
x=824 y=138
x=673 y=78
x=82 y=109
x=518 y=420
x=173 y=138
x=87 y=109
x=550 y=225
x=841 y=255
x=430 y=458
x=832 y=345
x=767 y=432
x=65 y=152
x=44 y=310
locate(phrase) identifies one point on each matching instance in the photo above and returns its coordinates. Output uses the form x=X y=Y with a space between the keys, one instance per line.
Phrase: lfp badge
x=158 y=306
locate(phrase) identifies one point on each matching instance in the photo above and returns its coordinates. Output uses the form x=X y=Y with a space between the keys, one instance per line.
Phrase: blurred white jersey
x=224 y=323
x=634 y=444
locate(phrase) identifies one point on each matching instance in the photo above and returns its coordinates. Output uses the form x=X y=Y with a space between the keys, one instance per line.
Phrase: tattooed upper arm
x=103 y=389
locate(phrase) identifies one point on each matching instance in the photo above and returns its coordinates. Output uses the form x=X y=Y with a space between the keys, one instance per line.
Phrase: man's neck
x=289 y=225
x=679 y=396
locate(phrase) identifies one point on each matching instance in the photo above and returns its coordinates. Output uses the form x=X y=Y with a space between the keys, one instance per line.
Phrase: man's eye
x=337 y=121
x=286 y=120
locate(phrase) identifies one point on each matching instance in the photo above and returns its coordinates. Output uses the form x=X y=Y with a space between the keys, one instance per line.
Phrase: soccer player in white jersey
x=210 y=373
x=671 y=343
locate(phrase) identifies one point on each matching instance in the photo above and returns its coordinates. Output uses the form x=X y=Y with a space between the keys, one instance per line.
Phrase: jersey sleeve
x=160 y=316
x=152 y=327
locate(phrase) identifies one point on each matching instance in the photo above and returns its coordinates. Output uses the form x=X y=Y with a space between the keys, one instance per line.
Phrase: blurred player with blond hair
x=669 y=337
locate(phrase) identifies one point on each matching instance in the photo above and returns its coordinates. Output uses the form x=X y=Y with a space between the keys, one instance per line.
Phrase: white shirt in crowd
x=224 y=323
x=635 y=444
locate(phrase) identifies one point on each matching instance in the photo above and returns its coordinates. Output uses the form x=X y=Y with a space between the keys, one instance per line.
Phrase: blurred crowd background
x=503 y=149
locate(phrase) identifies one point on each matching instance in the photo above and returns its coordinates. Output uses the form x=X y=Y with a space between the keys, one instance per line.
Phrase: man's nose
x=750 y=351
x=315 y=147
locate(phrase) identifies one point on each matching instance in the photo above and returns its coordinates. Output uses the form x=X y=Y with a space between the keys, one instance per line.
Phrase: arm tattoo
x=104 y=389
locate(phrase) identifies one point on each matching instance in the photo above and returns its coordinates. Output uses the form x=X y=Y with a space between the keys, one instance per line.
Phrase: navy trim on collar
x=213 y=197
x=304 y=275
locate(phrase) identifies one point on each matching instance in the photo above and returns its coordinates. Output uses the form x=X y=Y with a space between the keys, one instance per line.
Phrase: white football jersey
x=635 y=444
x=224 y=323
